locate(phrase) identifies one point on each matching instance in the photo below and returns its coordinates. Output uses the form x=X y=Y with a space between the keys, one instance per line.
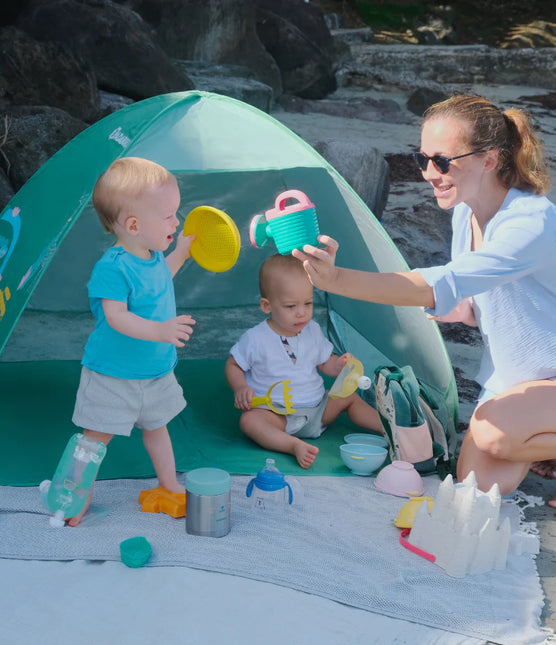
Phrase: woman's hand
x=462 y=313
x=319 y=263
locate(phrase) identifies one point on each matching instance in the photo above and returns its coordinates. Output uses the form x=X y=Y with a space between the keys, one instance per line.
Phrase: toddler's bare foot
x=545 y=469
x=552 y=502
x=173 y=487
x=305 y=454
x=76 y=519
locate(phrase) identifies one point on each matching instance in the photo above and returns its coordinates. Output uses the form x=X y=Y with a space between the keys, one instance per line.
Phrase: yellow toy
x=217 y=241
x=408 y=511
x=267 y=399
x=349 y=379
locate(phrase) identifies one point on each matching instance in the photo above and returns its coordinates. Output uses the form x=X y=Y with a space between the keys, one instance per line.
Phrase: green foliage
x=391 y=15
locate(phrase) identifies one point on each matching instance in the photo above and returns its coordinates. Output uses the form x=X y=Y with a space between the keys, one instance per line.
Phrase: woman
x=488 y=166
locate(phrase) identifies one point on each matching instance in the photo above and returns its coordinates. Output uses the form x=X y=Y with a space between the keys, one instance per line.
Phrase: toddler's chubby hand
x=345 y=357
x=243 y=396
x=183 y=244
x=176 y=330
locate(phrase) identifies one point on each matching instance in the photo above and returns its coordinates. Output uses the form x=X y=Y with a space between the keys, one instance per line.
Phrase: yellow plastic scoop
x=349 y=379
x=407 y=513
x=267 y=399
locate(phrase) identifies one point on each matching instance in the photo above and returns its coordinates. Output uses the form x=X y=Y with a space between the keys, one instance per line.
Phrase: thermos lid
x=207 y=481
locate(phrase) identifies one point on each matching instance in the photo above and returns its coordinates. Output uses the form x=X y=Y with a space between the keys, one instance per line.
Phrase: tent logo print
x=118 y=136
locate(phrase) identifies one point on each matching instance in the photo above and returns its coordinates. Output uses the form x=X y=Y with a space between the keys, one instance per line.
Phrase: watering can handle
x=291 y=194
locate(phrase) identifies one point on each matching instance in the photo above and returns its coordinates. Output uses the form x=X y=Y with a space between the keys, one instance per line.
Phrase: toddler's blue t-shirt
x=147 y=288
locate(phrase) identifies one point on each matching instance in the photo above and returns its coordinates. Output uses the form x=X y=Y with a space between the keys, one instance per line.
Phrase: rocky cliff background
x=352 y=77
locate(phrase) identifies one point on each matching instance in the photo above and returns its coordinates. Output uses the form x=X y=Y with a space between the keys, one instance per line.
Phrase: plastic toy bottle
x=77 y=469
x=269 y=488
x=349 y=379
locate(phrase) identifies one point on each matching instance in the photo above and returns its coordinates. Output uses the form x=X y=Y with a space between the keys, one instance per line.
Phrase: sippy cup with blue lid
x=269 y=488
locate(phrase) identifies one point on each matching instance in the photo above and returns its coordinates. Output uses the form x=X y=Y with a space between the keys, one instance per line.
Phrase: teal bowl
x=367 y=439
x=363 y=459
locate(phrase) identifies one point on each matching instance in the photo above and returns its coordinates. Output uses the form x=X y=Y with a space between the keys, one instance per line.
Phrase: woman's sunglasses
x=441 y=163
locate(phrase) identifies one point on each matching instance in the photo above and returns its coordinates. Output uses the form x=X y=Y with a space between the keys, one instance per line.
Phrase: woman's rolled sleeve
x=444 y=286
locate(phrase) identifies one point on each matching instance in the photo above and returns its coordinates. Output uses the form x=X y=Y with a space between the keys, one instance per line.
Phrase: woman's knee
x=488 y=434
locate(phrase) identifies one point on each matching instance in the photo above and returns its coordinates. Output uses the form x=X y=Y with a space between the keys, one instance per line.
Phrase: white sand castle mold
x=462 y=530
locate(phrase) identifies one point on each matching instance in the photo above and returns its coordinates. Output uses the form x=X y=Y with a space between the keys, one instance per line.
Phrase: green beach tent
x=225 y=154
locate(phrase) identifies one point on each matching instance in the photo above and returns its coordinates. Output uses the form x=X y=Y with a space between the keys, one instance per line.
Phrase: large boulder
x=46 y=73
x=235 y=81
x=212 y=31
x=31 y=136
x=442 y=66
x=113 y=38
x=363 y=108
x=294 y=32
x=362 y=166
x=6 y=190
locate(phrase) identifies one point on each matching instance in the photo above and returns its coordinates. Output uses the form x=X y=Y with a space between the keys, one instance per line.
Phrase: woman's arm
x=384 y=288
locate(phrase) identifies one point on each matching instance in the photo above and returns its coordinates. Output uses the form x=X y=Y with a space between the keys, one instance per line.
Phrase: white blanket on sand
x=337 y=541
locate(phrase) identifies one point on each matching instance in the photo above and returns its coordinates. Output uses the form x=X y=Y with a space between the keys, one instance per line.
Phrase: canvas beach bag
x=407 y=419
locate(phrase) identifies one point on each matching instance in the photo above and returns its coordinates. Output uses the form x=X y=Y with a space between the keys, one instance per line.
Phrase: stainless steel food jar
x=208 y=502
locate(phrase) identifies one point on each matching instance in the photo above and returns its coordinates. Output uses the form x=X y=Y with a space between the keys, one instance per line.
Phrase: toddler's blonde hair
x=121 y=183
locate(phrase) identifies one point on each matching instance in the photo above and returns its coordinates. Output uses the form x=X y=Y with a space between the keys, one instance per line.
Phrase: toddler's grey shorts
x=114 y=405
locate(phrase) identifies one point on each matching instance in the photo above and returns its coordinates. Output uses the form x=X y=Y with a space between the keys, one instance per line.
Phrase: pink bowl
x=400 y=478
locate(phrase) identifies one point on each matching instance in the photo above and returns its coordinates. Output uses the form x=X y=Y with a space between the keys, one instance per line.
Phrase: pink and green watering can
x=290 y=226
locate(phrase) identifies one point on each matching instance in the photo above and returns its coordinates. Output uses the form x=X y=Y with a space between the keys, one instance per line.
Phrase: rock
x=547 y=101
x=403 y=168
x=31 y=136
x=361 y=35
x=443 y=66
x=110 y=103
x=295 y=34
x=420 y=229
x=437 y=28
x=115 y=41
x=46 y=73
x=6 y=190
x=423 y=97
x=364 y=108
x=230 y=80
x=362 y=166
x=212 y=31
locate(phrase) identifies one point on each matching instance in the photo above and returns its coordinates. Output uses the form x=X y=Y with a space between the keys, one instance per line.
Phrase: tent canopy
x=225 y=154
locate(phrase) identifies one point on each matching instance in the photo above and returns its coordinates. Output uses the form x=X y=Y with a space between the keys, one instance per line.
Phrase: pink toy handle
x=413 y=548
x=280 y=204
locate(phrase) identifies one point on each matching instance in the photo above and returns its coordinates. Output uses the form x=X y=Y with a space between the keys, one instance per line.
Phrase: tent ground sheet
x=36 y=406
x=337 y=541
